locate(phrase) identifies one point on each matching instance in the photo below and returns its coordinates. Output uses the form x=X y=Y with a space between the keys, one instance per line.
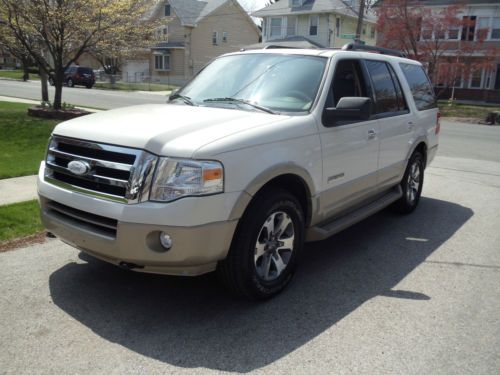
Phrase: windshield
x=271 y=82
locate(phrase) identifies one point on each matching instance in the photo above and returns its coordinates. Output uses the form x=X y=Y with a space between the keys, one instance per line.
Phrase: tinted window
x=401 y=98
x=347 y=81
x=85 y=71
x=420 y=86
x=383 y=87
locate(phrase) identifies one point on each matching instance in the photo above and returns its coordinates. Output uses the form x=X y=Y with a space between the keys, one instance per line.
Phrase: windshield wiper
x=236 y=100
x=185 y=99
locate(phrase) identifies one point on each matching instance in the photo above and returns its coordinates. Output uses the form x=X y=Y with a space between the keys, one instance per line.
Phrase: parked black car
x=77 y=75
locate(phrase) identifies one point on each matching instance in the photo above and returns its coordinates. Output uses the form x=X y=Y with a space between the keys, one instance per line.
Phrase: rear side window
x=383 y=87
x=420 y=86
x=85 y=71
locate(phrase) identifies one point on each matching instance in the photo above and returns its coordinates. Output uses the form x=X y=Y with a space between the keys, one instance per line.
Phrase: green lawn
x=23 y=140
x=16 y=74
x=134 y=86
x=465 y=110
x=19 y=220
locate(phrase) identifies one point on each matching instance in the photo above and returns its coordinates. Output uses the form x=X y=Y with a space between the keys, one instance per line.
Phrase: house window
x=364 y=30
x=482 y=29
x=495 y=30
x=224 y=36
x=167 y=10
x=372 y=32
x=426 y=34
x=264 y=27
x=469 y=27
x=215 y=38
x=276 y=27
x=453 y=33
x=487 y=79
x=313 y=25
x=162 y=62
x=439 y=33
x=476 y=78
x=162 y=34
x=291 y=25
x=296 y=3
x=458 y=82
x=337 y=27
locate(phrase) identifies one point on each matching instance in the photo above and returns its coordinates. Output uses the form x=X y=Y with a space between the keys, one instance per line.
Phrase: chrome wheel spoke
x=278 y=263
x=269 y=226
x=274 y=246
x=286 y=243
x=284 y=223
x=260 y=249
x=266 y=266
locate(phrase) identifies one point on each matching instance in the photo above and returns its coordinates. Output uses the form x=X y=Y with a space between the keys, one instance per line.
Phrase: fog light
x=166 y=240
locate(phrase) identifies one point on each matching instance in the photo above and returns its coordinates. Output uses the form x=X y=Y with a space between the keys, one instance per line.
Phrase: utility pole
x=359 y=27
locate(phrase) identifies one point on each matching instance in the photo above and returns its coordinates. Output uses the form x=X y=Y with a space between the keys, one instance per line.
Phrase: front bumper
x=198 y=243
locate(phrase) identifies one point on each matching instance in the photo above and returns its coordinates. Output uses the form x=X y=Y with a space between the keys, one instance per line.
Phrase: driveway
x=393 y=294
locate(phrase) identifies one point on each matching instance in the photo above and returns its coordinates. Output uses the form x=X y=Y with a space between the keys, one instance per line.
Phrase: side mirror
x=348 y=109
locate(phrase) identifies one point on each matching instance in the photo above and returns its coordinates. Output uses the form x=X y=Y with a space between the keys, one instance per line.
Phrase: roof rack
x=381 y=50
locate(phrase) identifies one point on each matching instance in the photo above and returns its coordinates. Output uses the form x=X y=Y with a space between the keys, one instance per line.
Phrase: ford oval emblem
x=78 y=167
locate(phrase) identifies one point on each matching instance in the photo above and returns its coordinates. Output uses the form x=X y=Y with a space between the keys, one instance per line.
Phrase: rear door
x=350 y=149
x=396 y=122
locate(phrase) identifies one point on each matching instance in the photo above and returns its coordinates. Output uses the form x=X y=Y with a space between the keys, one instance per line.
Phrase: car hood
x=164 y=129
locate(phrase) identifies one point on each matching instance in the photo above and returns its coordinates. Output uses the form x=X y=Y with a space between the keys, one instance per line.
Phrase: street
x=412 y=294
x=79 y=95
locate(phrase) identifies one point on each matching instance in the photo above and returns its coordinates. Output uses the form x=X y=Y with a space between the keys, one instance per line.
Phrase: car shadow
x=192 y=322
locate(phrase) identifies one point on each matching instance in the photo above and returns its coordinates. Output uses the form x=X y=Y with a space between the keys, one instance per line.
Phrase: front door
x=350 y=149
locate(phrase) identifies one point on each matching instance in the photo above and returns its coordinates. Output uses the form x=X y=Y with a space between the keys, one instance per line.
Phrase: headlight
x=175 y=179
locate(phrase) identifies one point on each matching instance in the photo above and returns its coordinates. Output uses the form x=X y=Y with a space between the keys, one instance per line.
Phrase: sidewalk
x=17 y=189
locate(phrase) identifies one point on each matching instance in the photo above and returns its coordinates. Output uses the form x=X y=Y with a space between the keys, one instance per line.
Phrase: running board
x=319 y=233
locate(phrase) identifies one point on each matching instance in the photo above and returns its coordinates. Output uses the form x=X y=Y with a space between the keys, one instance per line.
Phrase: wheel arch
x=289 y=177
x=419 y=145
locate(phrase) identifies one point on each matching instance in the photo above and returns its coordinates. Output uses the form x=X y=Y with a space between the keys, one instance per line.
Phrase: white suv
x=261 y=151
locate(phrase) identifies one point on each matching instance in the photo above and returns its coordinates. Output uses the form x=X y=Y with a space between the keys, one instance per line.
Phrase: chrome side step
x=321 y=232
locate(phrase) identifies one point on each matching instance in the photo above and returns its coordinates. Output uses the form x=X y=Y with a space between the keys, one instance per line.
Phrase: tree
x=9 y=43
x=433 y=37
x=66 y=29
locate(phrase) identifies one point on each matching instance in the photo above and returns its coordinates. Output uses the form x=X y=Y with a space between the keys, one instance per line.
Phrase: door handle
x=371 y=134
x=410 y=125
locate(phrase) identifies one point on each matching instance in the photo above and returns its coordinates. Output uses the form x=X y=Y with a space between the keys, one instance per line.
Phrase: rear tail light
x=438 y=122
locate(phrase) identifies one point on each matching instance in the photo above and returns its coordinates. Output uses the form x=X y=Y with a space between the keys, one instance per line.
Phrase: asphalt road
x=417 y=294
x=81 y=96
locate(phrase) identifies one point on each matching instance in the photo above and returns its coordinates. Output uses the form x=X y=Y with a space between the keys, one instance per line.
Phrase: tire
x=89 y=86
x=71 y=83
x=260 y=264
x=411 y=185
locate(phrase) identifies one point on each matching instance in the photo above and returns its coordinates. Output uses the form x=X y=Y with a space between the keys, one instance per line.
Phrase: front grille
x=111 y=172
x=95 y=223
